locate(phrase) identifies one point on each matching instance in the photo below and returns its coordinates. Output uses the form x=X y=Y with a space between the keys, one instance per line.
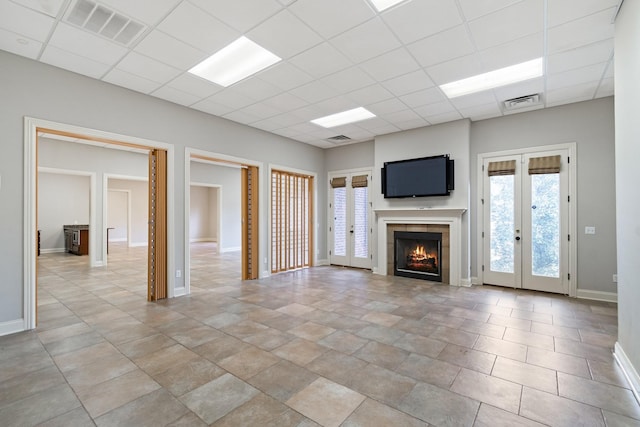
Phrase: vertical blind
x=291 y=232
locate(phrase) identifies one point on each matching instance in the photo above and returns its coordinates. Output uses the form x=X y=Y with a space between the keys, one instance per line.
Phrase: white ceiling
x=337 y=55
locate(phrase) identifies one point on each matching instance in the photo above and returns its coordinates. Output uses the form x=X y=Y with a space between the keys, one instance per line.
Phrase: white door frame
x=573 y=205
x=31 y=126
x=370 y=214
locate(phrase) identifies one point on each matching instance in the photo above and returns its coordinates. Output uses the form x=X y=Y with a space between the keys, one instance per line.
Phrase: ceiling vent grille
x=526 y=101
x=338 y=139
x=104 y=22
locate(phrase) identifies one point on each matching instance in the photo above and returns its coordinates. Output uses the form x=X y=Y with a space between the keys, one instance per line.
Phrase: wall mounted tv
x=426 y=176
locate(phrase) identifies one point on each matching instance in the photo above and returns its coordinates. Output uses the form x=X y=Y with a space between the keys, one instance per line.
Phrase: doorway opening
x=158 y=286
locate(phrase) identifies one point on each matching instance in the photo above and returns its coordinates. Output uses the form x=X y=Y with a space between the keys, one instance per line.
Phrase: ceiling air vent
x=338 y=139
x=101 y=20
x=522 y=102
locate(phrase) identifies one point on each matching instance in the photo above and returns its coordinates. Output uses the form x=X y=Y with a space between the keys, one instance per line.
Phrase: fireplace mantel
x=449 y=216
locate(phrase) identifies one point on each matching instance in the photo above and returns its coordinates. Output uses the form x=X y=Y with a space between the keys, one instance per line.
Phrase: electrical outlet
x=178 y=273
x=589 y=230
x=615 y=278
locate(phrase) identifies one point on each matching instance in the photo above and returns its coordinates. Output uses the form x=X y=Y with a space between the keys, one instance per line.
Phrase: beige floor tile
x=344 y=342
x=300 y=352
x=467 y=358
x=383 y=355
x=311 y=331
x=381 y=334
x=558 y=361
x=220 y=349
x=421 y=345
x=439 y=407
x=144 y=346
x=39 y=407
x=85 y=356
x=314 y=400
x=154 y=409
x=556 y=331
x=269 y=338
x=249 y=362
x=77 y=417
x=382 y=384
x=295 y=309
x=526 y=374
x=375 y=414
x=489 y=416
x=554 y=410
x=455 y=336
x=482 y=328
x=608 y=372
x=503 y=348
x=282 y=380
x=217 y=398
x=337 y=367
x=529 y=338
x=588 y=351
x=22 y=386
x=184 y=377
x=382 y=319
x=428 y=370
x=262 y=410
x=487 y=389
x=98 y=371
x=616 y=420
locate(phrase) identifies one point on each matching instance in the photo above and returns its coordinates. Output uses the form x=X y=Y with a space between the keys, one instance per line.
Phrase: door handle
x=517 y=237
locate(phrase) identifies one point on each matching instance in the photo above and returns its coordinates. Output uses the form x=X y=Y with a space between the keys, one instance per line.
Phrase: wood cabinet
x=76 y=239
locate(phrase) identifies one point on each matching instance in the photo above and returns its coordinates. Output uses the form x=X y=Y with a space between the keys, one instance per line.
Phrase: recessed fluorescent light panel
x=385 y=4
x=339 y=119
x=237 y=61
x=502 y=77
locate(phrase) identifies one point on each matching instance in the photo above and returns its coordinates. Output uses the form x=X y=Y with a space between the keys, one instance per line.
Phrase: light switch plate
x=589 y=230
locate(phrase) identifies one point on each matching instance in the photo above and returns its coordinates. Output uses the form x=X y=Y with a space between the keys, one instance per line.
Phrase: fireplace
x=418 y=255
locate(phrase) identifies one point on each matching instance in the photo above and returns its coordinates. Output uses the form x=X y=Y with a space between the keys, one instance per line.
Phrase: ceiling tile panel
x=285 y=35
x=370 y=94
x=211 y=107
x=83 y=43
x=321 y=60
x=193 y=26
x=232 y=99
x=151 y=69
x=194 y=86
x=242 y=116
x=481 y=112
x=285 y=102
x=576 y=76
x=456 y=69
x=590 y=29
x=433 y=109
x=256 y=88
x=473 y=9
x=580 y=57
x=423 y=97
x=408 y=83
x=366 y=41
x=336 y=105
x=20 y=45
x=25 y=22
x=315 y=91
x=242 y=15
x=480 y=98
x=443 y=46
x=72 y=62
x=176 y=96
x=412 y=123
x=390 y=64
x=575 y=93
x=49 y=7
x=560 y=12
x=444 y=117
x=513 y=52
x=349 y=79
x=529 y=87
x=513 y=22
x=130 y=81
x=331 y=17
x=142 y=10
x=262 y=111
x=170 y=51
x=387 y=107
x=415 y=20
x=285 y=76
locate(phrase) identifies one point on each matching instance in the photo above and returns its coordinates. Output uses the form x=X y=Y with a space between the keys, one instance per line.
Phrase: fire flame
x=419 y=253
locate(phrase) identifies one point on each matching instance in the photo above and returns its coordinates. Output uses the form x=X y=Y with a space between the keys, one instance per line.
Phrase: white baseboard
x=178 y=292
x=475 y=280
x=232 y=249
x=118 y=239
x=320 y=262
x=52 y=251
x=11 y=327
x=138 y=244
x=375 y=270
x=265 y=274
x=629 y=370
x=597 y=295
x=203 y=239
x=465 y=283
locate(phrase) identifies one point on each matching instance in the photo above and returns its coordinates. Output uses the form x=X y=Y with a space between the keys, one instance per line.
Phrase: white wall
x=139 y=191
x=62 y=200
x=117 y=215
x=229 y=181
x=627 y=70
x=352 y=156
x=590 y=126
x=448 y=138
x=202 y=226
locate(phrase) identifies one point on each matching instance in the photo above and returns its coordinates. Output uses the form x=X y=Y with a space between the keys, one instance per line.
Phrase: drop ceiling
x=337 y=55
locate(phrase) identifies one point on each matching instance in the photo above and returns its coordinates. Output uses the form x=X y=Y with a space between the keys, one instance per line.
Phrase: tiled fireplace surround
x=445 y=221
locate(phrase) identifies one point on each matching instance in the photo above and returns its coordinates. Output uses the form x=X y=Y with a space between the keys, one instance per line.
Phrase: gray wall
x=590 y=126
x=38 y=90
x=350 y=156
x=627 y=178
x=62 y=199
x=230 y=180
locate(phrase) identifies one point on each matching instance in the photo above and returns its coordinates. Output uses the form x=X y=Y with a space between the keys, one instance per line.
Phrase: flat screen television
x=423 y=177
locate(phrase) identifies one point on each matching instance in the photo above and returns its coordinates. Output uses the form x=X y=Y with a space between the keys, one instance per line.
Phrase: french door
x=526 y=221
x=350 y=212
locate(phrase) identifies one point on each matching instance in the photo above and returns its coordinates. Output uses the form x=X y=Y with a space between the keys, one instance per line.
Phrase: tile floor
x=324 y=346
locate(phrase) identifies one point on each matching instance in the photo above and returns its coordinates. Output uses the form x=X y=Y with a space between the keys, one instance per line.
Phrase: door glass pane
x=340 y=221
x=545 y=225
x=360 y=222
x=502 y=219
